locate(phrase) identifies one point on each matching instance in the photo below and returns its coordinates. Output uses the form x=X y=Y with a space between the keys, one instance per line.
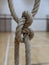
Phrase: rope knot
x=28 y=18
x=22 y=29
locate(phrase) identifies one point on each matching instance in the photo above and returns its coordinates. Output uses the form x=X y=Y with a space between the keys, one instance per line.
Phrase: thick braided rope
x=28 y=35
x=36 y=7
x=28 y=50
x=26 y=32
x=23 y=29
x=16 y=57
x=13 y=13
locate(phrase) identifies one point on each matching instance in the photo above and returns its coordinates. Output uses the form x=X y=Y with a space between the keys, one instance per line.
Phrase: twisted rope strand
x=16 y=52
x=28 y=50
x=36 y=7
x=13 y=13
x=23 y=33
x=22 y=30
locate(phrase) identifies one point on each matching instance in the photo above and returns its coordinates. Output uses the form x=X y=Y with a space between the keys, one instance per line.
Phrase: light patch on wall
x=21 y=6
x=28 y=2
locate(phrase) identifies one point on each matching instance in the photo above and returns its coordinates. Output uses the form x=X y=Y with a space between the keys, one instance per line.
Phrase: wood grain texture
x=39 y=49
x=3 y=44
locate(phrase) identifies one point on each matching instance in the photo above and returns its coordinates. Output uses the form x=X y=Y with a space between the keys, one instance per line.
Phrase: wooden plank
x=39 y=49
x=3 y=44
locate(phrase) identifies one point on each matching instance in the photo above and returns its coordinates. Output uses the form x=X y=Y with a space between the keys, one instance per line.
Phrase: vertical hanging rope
x=35 y=8
x=18 y=39
x=13 y=13
x=28 y=50
x=23 y=29
x=16 y=57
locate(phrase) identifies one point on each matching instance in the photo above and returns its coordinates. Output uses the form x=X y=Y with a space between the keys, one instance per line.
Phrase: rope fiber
x=23 y=32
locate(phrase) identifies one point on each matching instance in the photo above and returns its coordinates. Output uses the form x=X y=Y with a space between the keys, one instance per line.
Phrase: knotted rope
x=23 y=32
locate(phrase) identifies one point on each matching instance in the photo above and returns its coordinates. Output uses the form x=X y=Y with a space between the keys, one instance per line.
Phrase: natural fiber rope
x=28 y=50
x=36 y=6
x=23 y=33
x=13 y=13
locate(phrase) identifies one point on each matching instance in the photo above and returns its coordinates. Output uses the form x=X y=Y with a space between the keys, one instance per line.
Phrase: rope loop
x=22 y=28
x=13 y=13
x=23 y=32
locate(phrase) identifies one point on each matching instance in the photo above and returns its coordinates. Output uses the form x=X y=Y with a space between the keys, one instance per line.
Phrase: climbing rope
x=23 y=32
